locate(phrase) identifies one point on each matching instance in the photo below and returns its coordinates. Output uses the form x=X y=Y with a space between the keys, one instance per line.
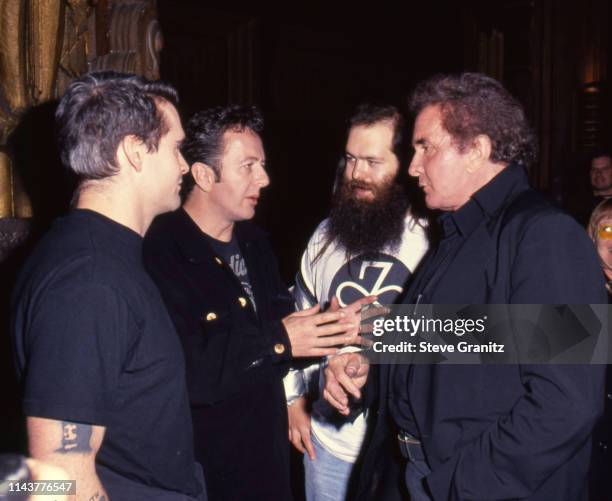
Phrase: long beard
x=367 y=227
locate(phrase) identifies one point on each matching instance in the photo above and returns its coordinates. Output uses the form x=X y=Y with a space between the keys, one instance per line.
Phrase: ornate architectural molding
x=134 y=38
x=44 y=45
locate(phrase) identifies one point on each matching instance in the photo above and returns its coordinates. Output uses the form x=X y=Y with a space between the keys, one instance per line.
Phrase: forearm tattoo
x=76 y=437
x=97 y=497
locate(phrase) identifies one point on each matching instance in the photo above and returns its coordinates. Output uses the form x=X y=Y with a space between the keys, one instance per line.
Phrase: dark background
x=307 y=65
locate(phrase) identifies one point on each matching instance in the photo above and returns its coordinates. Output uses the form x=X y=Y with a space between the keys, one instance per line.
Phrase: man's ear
x=131 y=151
x=203 y=175
x=480 y=152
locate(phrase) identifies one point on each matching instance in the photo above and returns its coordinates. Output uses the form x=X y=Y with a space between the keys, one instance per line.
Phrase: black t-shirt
x=230 y=252
x=94 y=344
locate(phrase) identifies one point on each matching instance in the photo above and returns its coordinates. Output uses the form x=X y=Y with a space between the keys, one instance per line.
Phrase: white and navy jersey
x=324 y=273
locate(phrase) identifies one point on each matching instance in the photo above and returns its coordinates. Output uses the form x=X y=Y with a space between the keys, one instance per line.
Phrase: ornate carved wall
x=134 y=39
x=44 y=45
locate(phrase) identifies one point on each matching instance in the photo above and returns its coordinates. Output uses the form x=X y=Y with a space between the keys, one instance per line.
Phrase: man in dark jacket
x=487 y=431
x=220 y=281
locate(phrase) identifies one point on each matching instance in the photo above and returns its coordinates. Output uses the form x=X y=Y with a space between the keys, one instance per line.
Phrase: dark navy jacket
x=235 y=356
x=503 y=431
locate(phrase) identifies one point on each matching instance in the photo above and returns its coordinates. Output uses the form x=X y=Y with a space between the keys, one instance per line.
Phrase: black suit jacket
x=504 y=431
x=235 y=356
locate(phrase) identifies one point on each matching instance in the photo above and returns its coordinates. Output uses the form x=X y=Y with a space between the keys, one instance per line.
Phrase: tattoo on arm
x=97 y=497
x=76 y=437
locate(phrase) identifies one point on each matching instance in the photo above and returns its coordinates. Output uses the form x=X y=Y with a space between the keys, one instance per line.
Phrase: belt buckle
x=408 y=439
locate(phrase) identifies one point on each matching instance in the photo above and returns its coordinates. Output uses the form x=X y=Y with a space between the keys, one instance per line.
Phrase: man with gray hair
x=102 y=367
x=513 y=431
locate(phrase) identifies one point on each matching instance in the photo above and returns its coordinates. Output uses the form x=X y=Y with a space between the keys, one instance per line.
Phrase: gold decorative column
x=45 y=30
x=45 y=44
x=12 y=64
x=6 y=183
x=13 y=96
x=30 y=36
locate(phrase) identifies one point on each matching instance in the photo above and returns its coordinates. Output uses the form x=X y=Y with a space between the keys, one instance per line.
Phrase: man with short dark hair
x=601 y=175
x=487 y=431
x=103 y=371
x=370 y=245
x=220 y=280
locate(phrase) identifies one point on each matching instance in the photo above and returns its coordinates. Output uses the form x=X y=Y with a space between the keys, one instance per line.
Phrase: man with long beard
x=369 y=246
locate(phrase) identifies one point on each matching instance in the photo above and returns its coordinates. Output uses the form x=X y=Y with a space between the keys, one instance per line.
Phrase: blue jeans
x=326 y=477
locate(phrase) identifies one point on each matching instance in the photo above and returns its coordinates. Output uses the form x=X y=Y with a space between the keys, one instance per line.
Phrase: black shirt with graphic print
x=230 y=253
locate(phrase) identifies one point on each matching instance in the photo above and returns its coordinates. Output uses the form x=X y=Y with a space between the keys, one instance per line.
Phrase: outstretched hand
x=315 y=334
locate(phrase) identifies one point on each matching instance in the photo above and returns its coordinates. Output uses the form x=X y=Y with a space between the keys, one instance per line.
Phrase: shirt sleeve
x=298 y=379
x=304 y=290
x=73 y=353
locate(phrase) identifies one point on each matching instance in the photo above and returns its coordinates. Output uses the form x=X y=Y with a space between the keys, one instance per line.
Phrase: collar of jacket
x=194 y=243
x=486 y=202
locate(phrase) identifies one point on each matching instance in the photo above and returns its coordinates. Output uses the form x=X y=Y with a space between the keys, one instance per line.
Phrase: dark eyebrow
x=369 y=159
